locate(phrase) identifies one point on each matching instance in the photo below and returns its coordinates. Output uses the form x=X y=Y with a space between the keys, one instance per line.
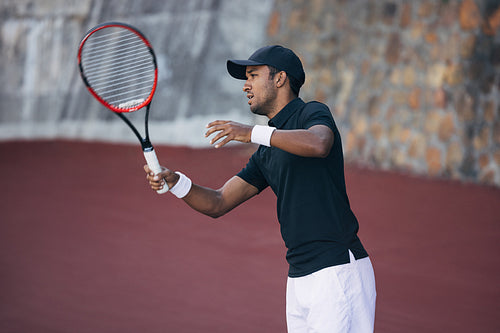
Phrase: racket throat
x=146 y=145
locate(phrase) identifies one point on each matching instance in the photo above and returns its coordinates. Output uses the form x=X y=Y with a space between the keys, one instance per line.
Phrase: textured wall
x=413 y=85
x=43 y=96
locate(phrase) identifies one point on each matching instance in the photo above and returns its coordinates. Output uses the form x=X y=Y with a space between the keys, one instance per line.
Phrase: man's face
x=260 y=89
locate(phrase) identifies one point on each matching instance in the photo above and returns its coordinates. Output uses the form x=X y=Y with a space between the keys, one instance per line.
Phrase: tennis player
x=331 y=284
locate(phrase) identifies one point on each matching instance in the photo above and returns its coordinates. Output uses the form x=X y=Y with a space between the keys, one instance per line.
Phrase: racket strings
x=126 y=72
x=119 y=67
x=95 y=65
x=117 y=37
x=109 y=52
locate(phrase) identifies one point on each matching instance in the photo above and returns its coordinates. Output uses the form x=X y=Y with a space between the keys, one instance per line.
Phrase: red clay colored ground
x=85 y=246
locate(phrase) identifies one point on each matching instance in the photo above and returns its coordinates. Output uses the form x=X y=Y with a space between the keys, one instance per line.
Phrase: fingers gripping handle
x=154 y=165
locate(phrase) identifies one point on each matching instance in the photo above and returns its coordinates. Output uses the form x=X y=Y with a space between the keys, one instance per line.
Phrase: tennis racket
x=118 y=65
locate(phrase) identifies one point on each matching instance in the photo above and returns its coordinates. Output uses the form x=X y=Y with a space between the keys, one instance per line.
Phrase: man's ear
x=281 y=79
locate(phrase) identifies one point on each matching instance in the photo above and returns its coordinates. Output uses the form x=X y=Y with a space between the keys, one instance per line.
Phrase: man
x=331 y=285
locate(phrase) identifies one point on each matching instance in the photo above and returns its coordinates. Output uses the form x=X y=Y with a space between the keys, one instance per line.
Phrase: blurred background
x=413 y=85
x=85 y=246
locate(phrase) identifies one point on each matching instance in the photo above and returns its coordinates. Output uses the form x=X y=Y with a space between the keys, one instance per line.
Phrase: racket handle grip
x=154 y=165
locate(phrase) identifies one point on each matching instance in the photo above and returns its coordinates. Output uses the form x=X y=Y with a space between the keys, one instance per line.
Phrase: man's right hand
x=158 y=181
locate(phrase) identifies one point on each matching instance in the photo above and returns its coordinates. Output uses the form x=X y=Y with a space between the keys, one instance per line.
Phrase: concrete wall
x=43 y=96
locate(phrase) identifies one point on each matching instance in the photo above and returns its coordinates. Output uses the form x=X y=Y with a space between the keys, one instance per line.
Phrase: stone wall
x=413 y=85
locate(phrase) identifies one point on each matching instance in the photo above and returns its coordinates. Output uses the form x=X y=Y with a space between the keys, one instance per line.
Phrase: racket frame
x=134 y=30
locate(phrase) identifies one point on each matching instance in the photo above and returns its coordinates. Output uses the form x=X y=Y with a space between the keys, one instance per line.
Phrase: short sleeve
x=316 y=113
x=252 y=174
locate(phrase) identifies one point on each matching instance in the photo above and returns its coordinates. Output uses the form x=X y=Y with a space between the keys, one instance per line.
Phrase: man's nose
x=246 y=86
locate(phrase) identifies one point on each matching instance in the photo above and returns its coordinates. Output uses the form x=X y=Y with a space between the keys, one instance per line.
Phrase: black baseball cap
x=276 y=56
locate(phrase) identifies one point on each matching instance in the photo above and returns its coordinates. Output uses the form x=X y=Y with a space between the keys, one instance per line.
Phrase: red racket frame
x=148 y=44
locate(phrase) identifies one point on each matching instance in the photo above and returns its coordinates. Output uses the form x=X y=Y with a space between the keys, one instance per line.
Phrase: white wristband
x=182 y=187
x=262 y=135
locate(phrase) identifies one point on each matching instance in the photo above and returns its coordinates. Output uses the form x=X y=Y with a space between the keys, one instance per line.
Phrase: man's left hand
x=228 y=131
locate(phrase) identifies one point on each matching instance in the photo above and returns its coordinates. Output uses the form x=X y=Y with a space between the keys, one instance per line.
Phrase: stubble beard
x=258 y=110
x=267 y=105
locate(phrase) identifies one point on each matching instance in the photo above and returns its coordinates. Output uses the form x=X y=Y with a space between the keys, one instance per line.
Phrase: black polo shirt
x=315 y=217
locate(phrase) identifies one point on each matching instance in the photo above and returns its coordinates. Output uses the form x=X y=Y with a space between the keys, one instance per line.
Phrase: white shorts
x=337 y=299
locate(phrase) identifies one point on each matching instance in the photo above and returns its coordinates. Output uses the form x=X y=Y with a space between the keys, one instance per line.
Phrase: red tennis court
x=86 y=246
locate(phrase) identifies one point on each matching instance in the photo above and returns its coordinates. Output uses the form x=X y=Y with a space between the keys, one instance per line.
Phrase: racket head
x=118 y=65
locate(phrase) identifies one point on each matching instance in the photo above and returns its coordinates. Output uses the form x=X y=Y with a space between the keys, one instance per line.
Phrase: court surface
x=86 y=246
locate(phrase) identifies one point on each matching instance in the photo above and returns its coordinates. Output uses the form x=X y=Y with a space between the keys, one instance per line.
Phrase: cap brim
x=238 y=68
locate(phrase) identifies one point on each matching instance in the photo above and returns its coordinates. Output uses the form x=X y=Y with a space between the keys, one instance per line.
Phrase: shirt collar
x=280 y=119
